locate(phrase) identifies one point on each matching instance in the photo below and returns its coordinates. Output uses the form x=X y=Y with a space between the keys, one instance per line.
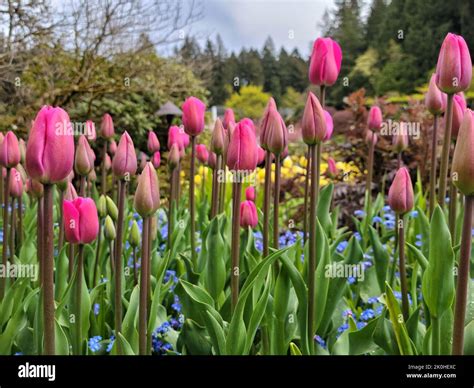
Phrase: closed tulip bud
x=108 y=162
x=332 y=170
x=454 y=68
x=400 y=139
x=212 y=160
x=193 y=116
x=81 y=223
x=16 y=183
x=112 y=147
x=374 y=121
x=92 y=176
x=185 y=138
x=143 y=160
x=174 y=137
x=260 y=155
x=250 y=193
x=248 y=214
x=202 y=153
x=147 y=195
x=313 y=124
x=134 y=238
x=329 y=125
x=153 y=143
x=242 y=152
x=156 y=159
x=70 y=193
x=102 y=206
x=91 y=133
x=459 y=108
x=325 y=63
x=463 y=158
x=229 y=118
x=274 y=135
x=173 y=157
x=112 y=209
x=63 y=185
x=400 y=195
x=107 y=127
x=124 y=163
x=435 y=99
x=50 y=148
x=34 y=188
x=10 y=154
x=109 y=229
x=371 y=137
x=218 y=138
x=85 y=157
x=22 y=171
x=22 y=146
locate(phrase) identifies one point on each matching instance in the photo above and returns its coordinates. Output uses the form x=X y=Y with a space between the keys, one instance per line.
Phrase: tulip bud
x=173 y=157
x=400 y=139
x=463 y=158
x=143 y=160
x=184 y=138
x=435 y=99
x=70 y=193
x=332 y=170
x=81 y=223
x=329 y=125
x=85 y=157
x=313 y=124
x=370 y=137
x=147 y=195
x=107 y=127
x=274 y=135
x=374 y=121
x=125 y=160
x=400 y=195
x=454 y=68
x=22 y=146
x=325 y=63
x=156 y=159
x=228 y=118
x=92 y=176
x=250 y=193
x=134 y=238
x=202 y=153
x=16 y=183
x=102 y=206
x=10 y=154
x=242 y=152
x=212 y=160
x=153 y=143
x=459 y=108
x=248 y=214
x=108 y=162
x=218 y=138
x=34 y=188
x=112 y=147
x=174 y=137
x=109 y=229
x=112 y=209
x=22 y=172
x=50 y=148
x=193 y=116
x=90 y=131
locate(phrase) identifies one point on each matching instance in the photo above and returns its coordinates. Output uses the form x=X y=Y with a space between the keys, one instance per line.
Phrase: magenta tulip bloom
x=107 y=127
x=463 y=158
x=454 y=68
x=374 y=121
x=229 y=118
x=329 y=125
x=459 y=108
x=332 y=170
x=185 y=139
x=400 y=195
x=16 y=183
x=125 y=159
x=218 y=139
x=81 y=223
x=91 y=133
x=202 y=153
x=242 y=153
x=250 y=193
x=147 y=195
x=153 y=143
x=156 y=159
x=274 y=135
x=10 y=154
x=193 y=116
x=85 y=157
x=313 y=124
x=248 y=215
x=435 y=99
x=50 y=148
x=112 y=147
x=325 y=63
x=175 y=137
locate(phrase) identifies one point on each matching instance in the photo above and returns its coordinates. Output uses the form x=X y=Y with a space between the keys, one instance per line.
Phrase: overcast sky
x=247 y=23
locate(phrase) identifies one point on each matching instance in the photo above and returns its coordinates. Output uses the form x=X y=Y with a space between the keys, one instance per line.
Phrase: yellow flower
x=197 y=179
x=303 y=161
x=288 y=163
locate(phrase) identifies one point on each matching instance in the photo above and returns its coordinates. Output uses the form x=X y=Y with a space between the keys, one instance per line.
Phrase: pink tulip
x=70 y=194
x=34 y=188
x=92 y=176
x=107 y=127
x=16 y=183
x=212 y=160
x=218 y=140
x=81 y=222
x=274 y=135
x=202 y=153
x=90 y=130
x=454 y=68
x=108 y=162
x=374 y=121
x=10 y=154
x=260 y=155
x=314 y=121
x=463 y=158
x=329 y=125
x=242 y=152
x=143 y=160
x=400 y=195
x=153 y=142
x=370 y=137
x=112 y=147
x=185 y=138
x=156 y=159
x=125 y=159
x=85 y=157
x=250 y=193
x=193 y=116
x=174 y=156
x=175 y=137
x=459 y=108
x=325 y=63
x=435 y=99
x=147 y=195
x=400 y=140
x=50 y=148
x=229 y=117
x=332 y=170
x=248 y=214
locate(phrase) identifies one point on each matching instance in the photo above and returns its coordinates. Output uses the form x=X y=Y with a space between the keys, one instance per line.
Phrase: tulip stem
x=97 y=254
x=48 y=271
x=172 y=204
x=6 y=196
x=453 y=202
x=434 y=146
x=306 y=194
x=399 y=160
x=71 y=261
x=39 y=239
x=370 y=169
x=20 y=220
x=82 y=186
x=463 y=278
x=104 y=171
x=443 y=174
x=61 y=222
x=276 y=202
x=215 y=186
x=12 y=228
x=235 y=247
x=142 y=317
x=403 y=273
x=266 y=202
x=192 y=205
x=79 y=275
x=312 y=242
